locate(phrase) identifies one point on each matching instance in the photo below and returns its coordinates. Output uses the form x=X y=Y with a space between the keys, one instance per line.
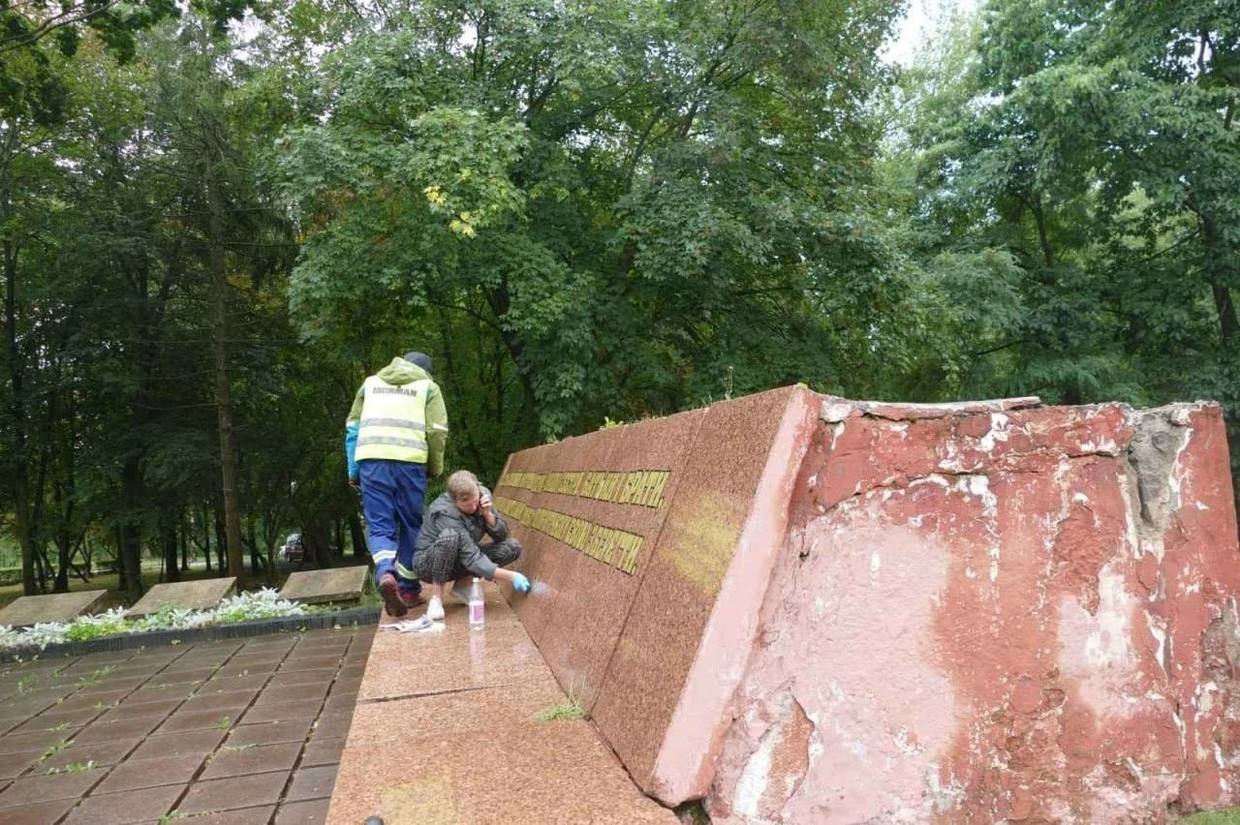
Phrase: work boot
x=411 y=598
x=389 y=590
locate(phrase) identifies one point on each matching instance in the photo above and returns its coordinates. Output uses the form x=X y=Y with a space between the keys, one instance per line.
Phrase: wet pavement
x=239 y=732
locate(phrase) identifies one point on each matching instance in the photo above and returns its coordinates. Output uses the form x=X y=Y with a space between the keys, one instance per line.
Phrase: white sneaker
x=461 y=593
x=434 y=611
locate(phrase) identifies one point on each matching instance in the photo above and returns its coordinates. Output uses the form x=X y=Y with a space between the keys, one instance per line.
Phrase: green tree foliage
x=625 y=202
x=1079 y=191
x=585 y=212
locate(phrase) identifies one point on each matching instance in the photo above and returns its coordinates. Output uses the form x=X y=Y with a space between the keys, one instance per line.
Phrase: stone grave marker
x=55 y=607
x=339 y=584
x=196 y=595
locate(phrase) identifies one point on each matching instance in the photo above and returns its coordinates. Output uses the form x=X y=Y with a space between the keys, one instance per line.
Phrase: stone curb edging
x=210 y=633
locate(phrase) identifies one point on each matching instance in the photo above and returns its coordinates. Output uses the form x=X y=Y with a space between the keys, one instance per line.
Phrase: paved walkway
x=447 y=731
x=221 y=733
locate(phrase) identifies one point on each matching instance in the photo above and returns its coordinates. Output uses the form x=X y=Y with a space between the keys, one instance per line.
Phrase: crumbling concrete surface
x=996 y=611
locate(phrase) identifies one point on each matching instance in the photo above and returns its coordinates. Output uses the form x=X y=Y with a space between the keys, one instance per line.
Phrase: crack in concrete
x=381 y=699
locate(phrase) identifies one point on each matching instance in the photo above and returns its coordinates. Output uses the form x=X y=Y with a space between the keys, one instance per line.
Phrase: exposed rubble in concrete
x=996 y=610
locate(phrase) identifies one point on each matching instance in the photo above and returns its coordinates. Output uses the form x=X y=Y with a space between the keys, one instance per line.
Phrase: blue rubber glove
x=520 y=583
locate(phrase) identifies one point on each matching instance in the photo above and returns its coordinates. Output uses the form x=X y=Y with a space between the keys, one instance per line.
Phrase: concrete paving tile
x=184 y=720
x=55 y=719
x=109 y=686
x=231 y=700
x=192 y=664
x=263 y=670
x=43 y=813
x=180 y=677
x=144 y=710
x=146 y=773
x=125 y=807
x=100 y=753
x=226 y=683
x=128 y=729
x=343 y=703
x=23 y=709
x=146 y=695
x=137 y=669
x=313 y=812
x=270 y=733
x=234 y=792
x=332 y=726
x=275 y=710
x=45 y=788
x=103 y=700
x=322 y=752
x=302 y=677
x=13 y=764
x=246 y=816
x=251 y=759
x=256 y=661
x=40 y=740
x=180 y=744
x=299 y=693
x=311 y=663
x=312 y=783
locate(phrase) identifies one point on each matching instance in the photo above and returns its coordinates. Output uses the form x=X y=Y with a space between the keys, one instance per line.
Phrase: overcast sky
x=919 y=23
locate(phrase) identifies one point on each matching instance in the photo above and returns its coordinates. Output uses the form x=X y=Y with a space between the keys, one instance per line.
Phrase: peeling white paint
x=905 y=745
x=1159 y=633
x=756 y=776
x=999 y=426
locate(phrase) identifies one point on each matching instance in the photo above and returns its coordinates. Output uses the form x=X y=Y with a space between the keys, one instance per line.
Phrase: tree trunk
x=251 y=539
x=168 y=538
x=184 y=525
x=17 y=413
x=131 y=539
x=220 y=558
x=358 y=537
x=223 y=392
x=207 y=523
x=316 y=538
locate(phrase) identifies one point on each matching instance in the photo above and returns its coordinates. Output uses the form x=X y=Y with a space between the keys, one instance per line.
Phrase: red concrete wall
x=995 y=611
x=657 y=653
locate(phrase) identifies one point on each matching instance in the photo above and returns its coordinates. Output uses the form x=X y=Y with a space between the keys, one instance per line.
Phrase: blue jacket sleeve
x=350 y=448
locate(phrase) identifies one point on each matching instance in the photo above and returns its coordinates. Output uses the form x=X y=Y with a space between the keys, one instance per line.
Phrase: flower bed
x=262 y=604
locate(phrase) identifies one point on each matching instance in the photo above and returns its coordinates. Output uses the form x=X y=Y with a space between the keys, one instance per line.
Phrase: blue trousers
x=392 y=493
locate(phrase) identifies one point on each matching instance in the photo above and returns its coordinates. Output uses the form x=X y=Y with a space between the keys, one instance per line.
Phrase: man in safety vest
x=396 y=431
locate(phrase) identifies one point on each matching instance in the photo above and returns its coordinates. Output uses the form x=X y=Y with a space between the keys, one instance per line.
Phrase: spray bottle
x=477 y=606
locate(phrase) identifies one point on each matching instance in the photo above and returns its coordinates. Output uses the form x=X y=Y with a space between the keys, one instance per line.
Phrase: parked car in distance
x=294 y=549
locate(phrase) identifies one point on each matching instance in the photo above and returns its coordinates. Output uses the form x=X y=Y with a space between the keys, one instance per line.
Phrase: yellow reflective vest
x=393 y=424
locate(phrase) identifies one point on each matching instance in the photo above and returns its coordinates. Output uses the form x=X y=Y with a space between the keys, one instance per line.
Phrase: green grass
x=573 y=707
x=561 y=712
x=55 y=749
x=73 y=767
x=1230 y=816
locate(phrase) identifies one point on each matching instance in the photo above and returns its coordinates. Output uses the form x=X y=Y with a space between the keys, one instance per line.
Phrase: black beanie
x=421 y=359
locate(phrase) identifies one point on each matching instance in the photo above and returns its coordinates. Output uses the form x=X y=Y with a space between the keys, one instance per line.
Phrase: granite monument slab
x=339 y=584
x=54 y=607
x=202 y=594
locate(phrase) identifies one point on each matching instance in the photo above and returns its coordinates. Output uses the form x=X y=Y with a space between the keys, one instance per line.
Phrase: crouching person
x=463 y=535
